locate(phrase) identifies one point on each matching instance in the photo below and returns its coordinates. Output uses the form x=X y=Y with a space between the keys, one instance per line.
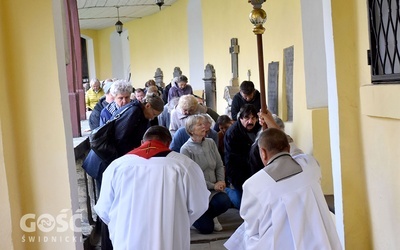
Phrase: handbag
x=102 y=139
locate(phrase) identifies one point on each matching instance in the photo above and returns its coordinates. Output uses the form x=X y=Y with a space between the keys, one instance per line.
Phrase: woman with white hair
x=121 y=91
x=187 y=105
x=204 y=152
x=181 y=136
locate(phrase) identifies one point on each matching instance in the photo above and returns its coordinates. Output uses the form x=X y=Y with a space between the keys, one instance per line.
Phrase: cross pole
x=257 y=18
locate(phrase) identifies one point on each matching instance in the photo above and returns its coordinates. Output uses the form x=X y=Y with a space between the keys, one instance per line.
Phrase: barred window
x=384 y=54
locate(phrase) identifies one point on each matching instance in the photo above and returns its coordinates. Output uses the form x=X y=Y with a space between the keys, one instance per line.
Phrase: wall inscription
x=288 y=77
x=273 y=76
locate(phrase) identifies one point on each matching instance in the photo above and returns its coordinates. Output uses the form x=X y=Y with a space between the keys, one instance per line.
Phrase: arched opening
x=88 y=57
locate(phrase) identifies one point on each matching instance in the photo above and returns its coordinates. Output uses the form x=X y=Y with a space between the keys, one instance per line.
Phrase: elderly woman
x=180 y=88
x=93 y=95
x=121 y=91
x=181 y=136
x=204 y=152
x=187 y=105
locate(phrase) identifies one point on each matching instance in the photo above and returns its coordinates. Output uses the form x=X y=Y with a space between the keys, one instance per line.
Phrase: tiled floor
x=230 y=220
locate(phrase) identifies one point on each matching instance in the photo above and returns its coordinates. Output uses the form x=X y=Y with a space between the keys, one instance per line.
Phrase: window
x=384 y=55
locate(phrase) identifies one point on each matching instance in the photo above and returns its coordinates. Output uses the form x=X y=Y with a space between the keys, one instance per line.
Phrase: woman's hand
x=219 y=186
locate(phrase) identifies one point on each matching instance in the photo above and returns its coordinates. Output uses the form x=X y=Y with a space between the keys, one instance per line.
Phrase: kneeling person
x=283 y=206
x=151 y=196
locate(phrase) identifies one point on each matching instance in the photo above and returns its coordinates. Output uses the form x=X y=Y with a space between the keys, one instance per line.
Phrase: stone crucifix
x=231 y=90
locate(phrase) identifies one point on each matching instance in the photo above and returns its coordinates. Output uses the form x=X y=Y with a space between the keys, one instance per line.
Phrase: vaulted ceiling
x=100 y=14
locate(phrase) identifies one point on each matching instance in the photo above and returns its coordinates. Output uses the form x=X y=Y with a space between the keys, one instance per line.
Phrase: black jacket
x=255 y=161
x=94 y=118
x=237 y=147
x=129 y=131
x=130 y=128
x=165 y=93
x=238 y=102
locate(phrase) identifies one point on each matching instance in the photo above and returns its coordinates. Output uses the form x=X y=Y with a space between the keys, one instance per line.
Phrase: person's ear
x=263 y=155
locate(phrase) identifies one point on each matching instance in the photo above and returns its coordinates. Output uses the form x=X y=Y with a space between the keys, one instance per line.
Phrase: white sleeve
x=250 y=211
x=197 y=192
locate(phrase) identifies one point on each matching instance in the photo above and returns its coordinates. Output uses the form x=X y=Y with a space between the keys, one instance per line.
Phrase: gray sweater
x=206 y=155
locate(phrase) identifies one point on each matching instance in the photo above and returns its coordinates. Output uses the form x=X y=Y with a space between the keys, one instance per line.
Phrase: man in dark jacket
x=129 y=130
x=238 y=140
x=247 y=95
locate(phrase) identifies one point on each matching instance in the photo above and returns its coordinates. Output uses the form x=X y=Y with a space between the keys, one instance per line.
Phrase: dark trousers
x=105 y=237
x=219 y=204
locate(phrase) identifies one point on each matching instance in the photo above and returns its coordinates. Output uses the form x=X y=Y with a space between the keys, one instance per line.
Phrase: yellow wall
x=380 y=126
x=6 y=203
x=159 y=41
x=351 y=44
x=36 y=134
x=322 y=147
x=382 y=151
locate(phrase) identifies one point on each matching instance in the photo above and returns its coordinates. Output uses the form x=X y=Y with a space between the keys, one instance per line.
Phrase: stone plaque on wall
x=288 y=77
x=273 y=74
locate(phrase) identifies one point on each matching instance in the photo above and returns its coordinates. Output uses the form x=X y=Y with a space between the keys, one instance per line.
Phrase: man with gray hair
x=283 y=206
x=272 y=121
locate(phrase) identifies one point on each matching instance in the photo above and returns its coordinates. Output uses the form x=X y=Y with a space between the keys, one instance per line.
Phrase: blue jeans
x=235 y=195
x=219 y=204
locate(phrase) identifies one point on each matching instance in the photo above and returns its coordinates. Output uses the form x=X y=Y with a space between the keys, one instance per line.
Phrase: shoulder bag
x=102 y=139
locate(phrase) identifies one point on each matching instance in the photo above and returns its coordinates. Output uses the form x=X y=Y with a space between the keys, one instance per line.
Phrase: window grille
x=384 y=54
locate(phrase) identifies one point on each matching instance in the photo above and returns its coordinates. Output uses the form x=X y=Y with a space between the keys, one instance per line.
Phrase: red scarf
x=149 y=149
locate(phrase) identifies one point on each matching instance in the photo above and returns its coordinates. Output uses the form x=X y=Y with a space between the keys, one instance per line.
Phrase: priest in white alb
x=150 y=197
x=283 y=206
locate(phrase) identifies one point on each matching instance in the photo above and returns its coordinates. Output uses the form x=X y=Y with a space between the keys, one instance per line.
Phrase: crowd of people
x=180 y=165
